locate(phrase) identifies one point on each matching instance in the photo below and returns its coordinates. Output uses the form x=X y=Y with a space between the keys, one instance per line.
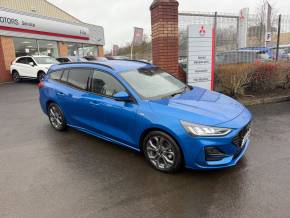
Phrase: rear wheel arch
x=48 y=103
x=53 y=102
x=56 y=116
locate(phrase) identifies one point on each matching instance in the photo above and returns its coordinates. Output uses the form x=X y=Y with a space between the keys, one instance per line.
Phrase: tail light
x=40 y=85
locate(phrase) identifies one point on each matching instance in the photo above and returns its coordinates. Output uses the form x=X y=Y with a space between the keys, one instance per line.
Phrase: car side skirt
x=103 y=137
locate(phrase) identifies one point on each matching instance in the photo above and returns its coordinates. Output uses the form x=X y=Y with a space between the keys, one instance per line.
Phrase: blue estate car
x=140 y=106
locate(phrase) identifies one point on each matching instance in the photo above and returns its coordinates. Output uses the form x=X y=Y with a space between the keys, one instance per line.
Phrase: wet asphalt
x=44 y=173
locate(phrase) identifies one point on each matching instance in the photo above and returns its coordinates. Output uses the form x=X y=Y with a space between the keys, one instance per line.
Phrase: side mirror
x=31 y=64
x=122 y=96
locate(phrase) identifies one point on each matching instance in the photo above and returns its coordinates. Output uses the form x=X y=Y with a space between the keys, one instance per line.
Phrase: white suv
x=31 y=67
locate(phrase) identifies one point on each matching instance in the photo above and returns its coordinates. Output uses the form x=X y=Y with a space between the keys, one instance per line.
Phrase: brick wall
x=62 y=49
x=7 y=55
x=164 y=25
x=101 y=52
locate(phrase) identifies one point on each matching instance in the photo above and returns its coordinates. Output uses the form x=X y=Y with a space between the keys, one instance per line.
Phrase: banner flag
x=138 y=36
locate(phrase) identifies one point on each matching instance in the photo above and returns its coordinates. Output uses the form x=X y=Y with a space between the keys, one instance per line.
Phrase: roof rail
x=88 y=62
x=143 y=62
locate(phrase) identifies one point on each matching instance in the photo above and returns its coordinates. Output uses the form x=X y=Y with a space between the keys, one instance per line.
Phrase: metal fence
x=276 y=47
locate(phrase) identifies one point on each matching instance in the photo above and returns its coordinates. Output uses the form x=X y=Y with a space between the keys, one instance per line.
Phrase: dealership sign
x=35 y=25
x=200 y=70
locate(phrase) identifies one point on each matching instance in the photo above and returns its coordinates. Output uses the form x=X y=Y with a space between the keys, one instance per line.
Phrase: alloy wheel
x=55 y=117
x=16 y=76
x=160 y=152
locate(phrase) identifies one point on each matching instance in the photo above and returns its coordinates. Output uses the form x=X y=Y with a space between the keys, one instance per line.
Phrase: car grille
x=238 y=139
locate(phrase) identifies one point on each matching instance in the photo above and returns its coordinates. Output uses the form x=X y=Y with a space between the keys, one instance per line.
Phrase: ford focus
x=142 y=107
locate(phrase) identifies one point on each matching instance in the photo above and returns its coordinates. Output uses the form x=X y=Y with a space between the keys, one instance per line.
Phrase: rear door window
x=56 y=75
x=64 y=76
x=21 y=61
x=79 y=78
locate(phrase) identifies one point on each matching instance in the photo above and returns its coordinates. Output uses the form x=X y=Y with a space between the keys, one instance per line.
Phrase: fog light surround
x=213 y=154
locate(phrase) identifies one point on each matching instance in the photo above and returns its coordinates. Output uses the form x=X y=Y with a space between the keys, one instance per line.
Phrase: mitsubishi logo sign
x=242 y=17
x=201 y=55
x=202 y=31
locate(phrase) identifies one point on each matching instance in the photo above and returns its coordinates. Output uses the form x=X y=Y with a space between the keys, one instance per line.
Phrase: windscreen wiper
x=179 y=93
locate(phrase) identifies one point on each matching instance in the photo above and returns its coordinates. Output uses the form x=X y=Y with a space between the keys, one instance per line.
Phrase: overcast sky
x=118 y=17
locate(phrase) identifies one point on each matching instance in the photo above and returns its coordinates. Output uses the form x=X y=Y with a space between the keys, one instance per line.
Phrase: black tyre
x=15 y=76
x=162 y=152
x=40 y=76
x=56 y=117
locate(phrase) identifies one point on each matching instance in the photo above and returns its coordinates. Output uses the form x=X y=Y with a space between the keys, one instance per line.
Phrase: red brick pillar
x=7 y=55
x=101 y=52
x=62 y=49
x=164 y=24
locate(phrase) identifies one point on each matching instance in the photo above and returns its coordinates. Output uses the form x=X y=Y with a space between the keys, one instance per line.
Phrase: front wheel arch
x=39 y=72
x=179 y=161
x=147 y=131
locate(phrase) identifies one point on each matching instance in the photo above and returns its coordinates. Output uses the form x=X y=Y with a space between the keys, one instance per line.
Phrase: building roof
x=40 y=7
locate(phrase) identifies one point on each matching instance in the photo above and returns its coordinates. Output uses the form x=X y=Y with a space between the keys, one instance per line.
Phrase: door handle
x=60 y=94
x=95 y=103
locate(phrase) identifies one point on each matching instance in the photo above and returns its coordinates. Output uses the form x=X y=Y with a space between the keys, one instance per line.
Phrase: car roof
x=29 y=56
x=41 y=56
x=114 y=65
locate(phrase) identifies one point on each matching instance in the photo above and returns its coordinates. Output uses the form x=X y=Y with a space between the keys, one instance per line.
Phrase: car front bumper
x=232 y=147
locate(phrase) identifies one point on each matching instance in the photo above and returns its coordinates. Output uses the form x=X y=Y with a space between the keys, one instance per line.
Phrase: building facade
x=36 y=27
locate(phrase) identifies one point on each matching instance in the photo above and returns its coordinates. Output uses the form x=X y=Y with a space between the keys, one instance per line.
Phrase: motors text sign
x=14 y=22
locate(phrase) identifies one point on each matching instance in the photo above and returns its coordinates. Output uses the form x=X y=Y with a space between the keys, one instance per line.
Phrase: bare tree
x=261 y=21
x=142 y=51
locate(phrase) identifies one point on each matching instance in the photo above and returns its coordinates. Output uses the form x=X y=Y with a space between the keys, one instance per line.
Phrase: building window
x=82 y=50
x=75 y=49
x=90 y=50
x=48 y=48
x=25 y=47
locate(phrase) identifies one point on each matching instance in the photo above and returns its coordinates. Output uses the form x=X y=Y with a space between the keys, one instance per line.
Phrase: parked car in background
x=32 y=67
x=139 y=106
x=240 y=57
x=284 y=52
x=90 y=58
x=71 y=59
x=95 y=58
x=263 y=50
x=117 y=58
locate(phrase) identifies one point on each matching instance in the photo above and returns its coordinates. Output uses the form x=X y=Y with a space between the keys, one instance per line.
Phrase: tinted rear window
x=79 y=78
x=64 y=76
x=56 y=75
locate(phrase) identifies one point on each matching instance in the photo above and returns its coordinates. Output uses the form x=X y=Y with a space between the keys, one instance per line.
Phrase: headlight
x=200 y=130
